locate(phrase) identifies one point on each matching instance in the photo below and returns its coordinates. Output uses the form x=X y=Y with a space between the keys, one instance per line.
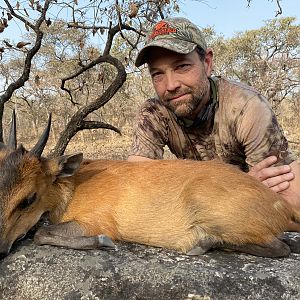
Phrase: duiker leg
x=276 y=248
x=203 y=246
x=71 y=235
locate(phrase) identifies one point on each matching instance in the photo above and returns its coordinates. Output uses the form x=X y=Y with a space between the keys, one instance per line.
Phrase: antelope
x=187 y=206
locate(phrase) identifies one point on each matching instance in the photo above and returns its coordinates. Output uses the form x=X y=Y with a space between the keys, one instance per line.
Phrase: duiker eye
x=27 y=201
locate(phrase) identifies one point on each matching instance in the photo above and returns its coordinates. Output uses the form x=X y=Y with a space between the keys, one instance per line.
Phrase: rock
x=139 y=272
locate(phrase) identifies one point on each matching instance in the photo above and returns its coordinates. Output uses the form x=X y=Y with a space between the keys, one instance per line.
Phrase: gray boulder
x=139 y=272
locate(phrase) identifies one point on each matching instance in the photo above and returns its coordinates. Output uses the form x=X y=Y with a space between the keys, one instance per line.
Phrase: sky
x=226 y=16
x=231 y=16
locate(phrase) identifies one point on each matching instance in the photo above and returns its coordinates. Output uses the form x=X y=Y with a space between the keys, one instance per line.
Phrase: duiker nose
x=3 y=255
x=4 y=248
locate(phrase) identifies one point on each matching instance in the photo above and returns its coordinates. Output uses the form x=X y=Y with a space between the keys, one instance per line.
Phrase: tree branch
x=278 y=12
x=28 y=59
x=97 y=125
x=77 y=121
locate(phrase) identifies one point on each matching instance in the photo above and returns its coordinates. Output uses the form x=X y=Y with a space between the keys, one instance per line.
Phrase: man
x=202 y=117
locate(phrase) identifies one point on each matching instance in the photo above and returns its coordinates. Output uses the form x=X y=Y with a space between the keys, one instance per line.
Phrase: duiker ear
x=69 y=164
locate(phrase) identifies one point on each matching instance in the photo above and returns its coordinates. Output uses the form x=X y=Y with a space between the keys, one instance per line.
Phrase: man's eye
x=26 y=202
x=183 y=67
x=156 y=76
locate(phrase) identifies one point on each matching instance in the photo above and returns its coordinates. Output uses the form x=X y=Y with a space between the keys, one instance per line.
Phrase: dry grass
x=110 y=145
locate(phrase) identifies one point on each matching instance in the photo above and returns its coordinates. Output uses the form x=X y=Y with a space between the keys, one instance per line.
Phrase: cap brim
x=175 y=45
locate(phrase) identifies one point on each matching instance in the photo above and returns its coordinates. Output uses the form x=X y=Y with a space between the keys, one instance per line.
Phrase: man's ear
x=208 y=61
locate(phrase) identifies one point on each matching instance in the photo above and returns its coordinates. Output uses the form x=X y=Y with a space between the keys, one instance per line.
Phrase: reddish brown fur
x=31 y=179
x=170 y=204
x=189 y=206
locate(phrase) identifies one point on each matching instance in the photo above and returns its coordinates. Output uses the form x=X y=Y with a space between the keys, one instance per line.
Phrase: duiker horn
x=38 y=149
x=12 y=139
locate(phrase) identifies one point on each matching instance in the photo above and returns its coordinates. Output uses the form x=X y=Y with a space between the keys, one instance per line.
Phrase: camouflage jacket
x=238 y=127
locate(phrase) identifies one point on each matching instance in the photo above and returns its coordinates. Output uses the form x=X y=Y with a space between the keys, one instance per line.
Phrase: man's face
x=180 y=80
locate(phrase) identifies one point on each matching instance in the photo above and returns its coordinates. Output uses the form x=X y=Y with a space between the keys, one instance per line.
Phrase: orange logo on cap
x=162 y=28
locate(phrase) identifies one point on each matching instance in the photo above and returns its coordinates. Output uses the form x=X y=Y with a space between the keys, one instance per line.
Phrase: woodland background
x=93 y=89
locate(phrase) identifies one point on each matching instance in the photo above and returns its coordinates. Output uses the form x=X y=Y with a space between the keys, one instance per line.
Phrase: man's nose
x=172 y=81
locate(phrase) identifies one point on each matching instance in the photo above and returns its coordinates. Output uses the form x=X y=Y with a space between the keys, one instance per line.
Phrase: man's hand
x=276 y=178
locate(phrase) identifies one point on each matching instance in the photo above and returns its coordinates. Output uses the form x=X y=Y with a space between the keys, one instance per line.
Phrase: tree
x=279 y=8
x=108 y=19
x=60 y=42
x=267 y=58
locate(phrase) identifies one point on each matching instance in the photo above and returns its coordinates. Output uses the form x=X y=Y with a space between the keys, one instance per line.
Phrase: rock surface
x=138 y=272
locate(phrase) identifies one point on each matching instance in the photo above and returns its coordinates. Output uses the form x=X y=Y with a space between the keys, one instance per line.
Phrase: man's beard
x=185 y=108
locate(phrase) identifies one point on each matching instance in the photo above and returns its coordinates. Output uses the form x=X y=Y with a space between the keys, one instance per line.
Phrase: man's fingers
x=276 y=178
x=279 y=183
x=280 y=171
x=280 y=187
x=266 y=163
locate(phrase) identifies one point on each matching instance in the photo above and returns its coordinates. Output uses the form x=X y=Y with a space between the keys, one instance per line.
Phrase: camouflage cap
x=176 y=34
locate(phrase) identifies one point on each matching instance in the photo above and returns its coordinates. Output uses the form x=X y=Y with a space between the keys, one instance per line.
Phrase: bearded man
x=202 y=117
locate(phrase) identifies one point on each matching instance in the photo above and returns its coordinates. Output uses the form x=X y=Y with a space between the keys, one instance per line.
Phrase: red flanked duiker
x=189 y=206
